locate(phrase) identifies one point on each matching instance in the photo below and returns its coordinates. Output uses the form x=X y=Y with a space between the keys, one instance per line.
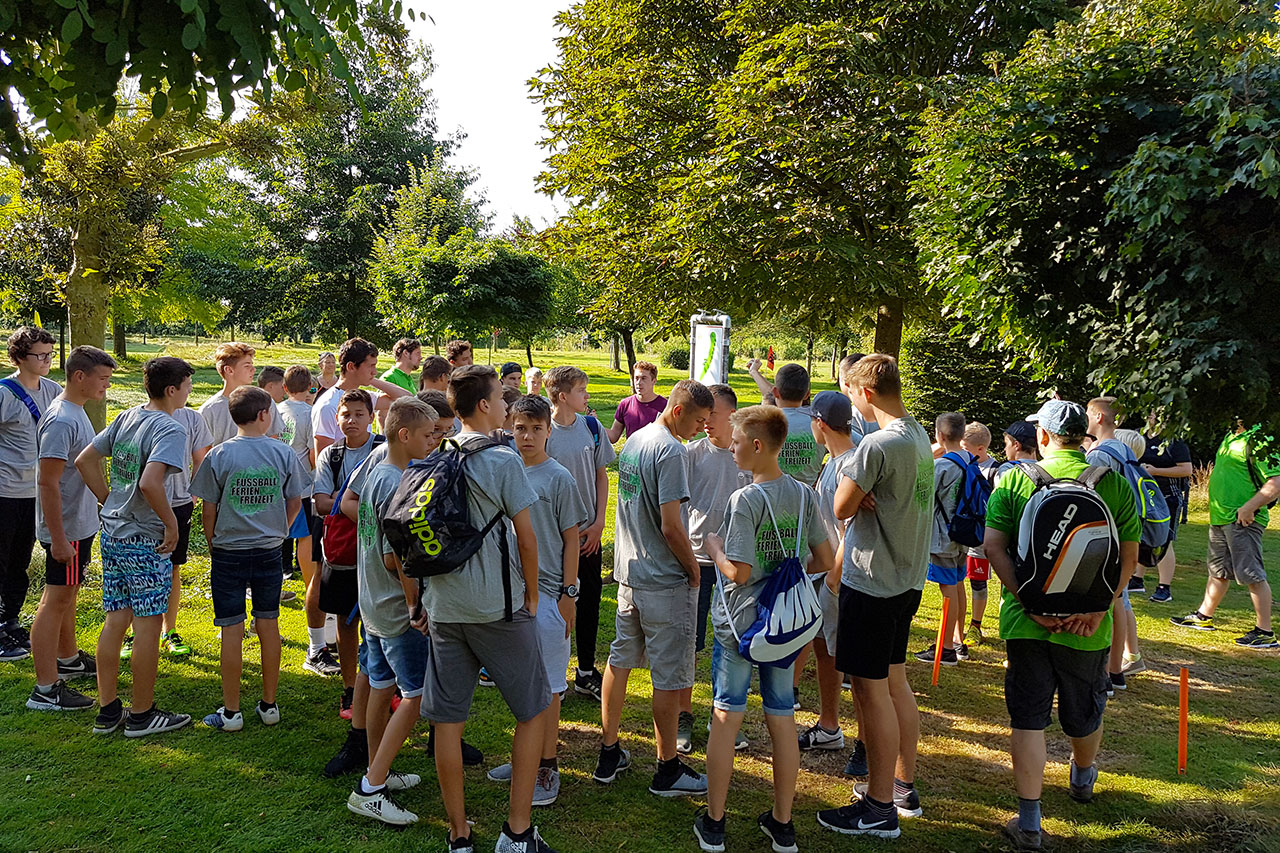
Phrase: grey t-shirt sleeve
x=673 y=475
x=56 y=437
x=169 y=447
x=604 y=452
x=866 y=467
x=297 y=482
x=515 y=493
x=569 y=508
x=105 y=440
x=206 y=484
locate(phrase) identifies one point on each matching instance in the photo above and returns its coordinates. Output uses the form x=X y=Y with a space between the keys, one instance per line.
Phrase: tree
x=1108 y=206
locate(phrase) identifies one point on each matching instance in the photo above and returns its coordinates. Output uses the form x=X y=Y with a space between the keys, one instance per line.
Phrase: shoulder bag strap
x=21 y=393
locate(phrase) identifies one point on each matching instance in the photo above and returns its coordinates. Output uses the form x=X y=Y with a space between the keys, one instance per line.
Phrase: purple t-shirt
x=635 y=415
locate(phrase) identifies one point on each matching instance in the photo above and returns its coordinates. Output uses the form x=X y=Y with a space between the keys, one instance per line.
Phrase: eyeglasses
x=41 y=356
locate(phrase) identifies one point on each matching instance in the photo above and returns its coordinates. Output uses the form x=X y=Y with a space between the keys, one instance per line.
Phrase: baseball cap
x=833 y=408
x=1024 y=432
x=509 y=368
x=1061 y=417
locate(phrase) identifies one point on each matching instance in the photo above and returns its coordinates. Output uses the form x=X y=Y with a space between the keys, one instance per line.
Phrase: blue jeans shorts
x=399 y=661
x=255 y=569
x=134 y=576
x=731 y=678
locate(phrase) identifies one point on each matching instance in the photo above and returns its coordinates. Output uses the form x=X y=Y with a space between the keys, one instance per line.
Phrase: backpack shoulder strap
x=1038 y=476
x=1107 y=450
x=21 y=393
x=782 y=548
x=594 y=426
x=340 y=456
x=954 y=458
x=1093 y=475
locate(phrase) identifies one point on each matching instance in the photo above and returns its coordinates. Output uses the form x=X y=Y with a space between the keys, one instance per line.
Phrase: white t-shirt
x=324 y=414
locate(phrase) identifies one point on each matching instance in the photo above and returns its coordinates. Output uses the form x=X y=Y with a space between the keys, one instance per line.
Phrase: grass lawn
x=262 y=789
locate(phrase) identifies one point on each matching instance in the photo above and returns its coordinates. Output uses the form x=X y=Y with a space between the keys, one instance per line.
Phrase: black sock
x=716 y=824
x=1161 y=586
x=549 y=762
x=669 y=769
x=115 y=706
x=228 y=713
x=878 y=807
x=264 y=705
x=516 y=836
x=610 y=747
x=144 y=715
x=1262 y=632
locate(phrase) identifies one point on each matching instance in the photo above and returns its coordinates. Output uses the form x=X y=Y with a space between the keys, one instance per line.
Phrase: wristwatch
x=571 y=590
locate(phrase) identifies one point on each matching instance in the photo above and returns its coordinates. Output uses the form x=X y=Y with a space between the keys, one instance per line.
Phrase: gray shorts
x=657 y=624
x=830 y=602
x=508 y=651
x=1236 y=551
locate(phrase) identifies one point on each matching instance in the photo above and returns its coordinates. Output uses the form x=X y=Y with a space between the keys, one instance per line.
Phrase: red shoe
x=345 y=710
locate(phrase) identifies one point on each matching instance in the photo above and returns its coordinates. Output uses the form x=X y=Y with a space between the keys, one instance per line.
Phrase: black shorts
x=339 y=594
x=1038 y=669
x=179 y=555
x=69 y=574
x=873 y=632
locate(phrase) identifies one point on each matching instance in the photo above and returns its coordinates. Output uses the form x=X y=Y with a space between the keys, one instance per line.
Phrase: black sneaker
x=949 y=657
x=1117 y=683
x=84 y=666
x=684 y=782
x=461 y=845
x=860 y=819
x=353 y=756
x=21 y=635
x=589 y=684
x=1138 y=584
x=110 y=717
x=1162 y=595
x=471 y=757
x=531 y=843
x=783 y=835
x=1258 y=639
x=153 y=722
x=962 y=652
x=322 y=662
x=710 y=833
x=857 y=764
x=11 y=649
x=612 y=761
x=59 y=698
x=908 y=805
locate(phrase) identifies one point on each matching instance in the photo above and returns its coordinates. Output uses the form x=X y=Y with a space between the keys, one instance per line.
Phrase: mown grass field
x=261 y=789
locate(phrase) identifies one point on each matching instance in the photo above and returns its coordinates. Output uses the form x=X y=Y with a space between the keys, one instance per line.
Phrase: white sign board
x=709 y=348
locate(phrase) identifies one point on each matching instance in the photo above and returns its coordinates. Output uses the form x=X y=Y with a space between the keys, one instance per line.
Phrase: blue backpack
x=968 y=526
x=788 y=613
x=1153 y=509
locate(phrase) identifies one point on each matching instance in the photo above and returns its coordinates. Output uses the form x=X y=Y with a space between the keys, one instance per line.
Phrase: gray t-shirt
x=18 y=438
x=376 y=457
x=889 y=550
x=559 y=507
x=828 y=482
x=750 y=537
x=295 y=417
x=576 y=449
x=713 y=476
x=496 y=482
x=652 y=470
x=947 y=479
x=65 y=430
x=801 y=455
x=136 y=438
x=178 y=486
x=216 y=412
x=383 y=608
x=250 y=477
x=328 y=480
x=1116 y=448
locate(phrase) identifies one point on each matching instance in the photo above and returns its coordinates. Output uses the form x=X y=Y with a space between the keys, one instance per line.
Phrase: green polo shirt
x=396 y=376
x=1231 y=485
x=1004 y=511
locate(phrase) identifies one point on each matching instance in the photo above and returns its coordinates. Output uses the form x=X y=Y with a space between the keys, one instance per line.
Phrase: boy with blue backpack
x=768 y=528
x=947 y=556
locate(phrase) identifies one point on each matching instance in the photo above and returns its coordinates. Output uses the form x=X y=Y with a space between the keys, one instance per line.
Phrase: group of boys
x=699 y=530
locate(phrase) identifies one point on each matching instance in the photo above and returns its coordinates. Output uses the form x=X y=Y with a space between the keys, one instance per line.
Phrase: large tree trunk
x=118 y=345
x=889 y=327
x=630 y=344
x=88 y=296
x=615 y=353
x=528 y=352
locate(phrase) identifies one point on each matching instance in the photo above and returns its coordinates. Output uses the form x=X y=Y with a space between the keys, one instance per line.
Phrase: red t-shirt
x=635 y=415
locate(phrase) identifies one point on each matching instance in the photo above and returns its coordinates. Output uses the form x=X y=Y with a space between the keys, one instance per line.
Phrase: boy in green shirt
x=1049 y=654
x=408 y=355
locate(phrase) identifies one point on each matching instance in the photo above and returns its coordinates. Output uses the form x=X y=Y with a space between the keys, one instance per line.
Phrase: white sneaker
x=220 y=721
x=816 y=737
x=269 y=717
x=397 y=781
x=381 y=807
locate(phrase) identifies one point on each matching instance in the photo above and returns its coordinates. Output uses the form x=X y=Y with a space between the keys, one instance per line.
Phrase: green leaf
x=115 y=51
x=192 y=36
x=72 y=26
x=159 y=104
x=187 y=6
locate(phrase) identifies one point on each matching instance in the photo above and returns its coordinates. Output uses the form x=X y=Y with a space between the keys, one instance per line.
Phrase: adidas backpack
x=788 y=614
x=1153 y=509
x=427 y=521
x=1068 y=554
x=969 y=524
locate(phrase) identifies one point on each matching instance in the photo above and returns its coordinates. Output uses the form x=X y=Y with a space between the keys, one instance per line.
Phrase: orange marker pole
x=1183 y=690
x=937 y=647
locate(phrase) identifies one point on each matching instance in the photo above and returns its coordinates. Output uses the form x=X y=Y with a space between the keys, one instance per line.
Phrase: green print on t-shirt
x=628 y=476
x=798 y=452
x=924 y=483
x=769 y=554
x=126 y=457
x=366 y=524
x=290 y=429
x=254 y=489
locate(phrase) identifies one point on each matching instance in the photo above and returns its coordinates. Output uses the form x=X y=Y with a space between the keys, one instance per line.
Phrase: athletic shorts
x=731 y=677
x=655 y=628
x=1175 y=514
x=873 y=632
x=830 y=602
x=508 y=651
x=554 y=642
x=977 y=568
x=68 y=574
x=946 y=574
x=1038 y=669
x=399 y=661
x=1236 y=551
x=183 y=512
x=234 y=571
x=134 y=576
x=339 y=593
x=302 y=523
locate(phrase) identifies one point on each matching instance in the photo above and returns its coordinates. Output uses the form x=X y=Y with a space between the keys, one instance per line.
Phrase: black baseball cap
x=509 y=368
x=1023 y=432
x=833 y=408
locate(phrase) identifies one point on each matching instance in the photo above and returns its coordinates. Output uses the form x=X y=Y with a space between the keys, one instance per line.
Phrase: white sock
x=331 y=628
x=367 y=787
x=316 y=638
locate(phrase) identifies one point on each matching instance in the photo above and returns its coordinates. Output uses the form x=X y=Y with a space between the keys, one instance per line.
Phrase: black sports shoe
x=11 y=649
x=110 y=717
x=21 y=635
x=860 y=819
x=153 y=722
x=710 y=833
x=908 y=805
x=783 y=835
x=84 y=666
x=1257 y=639
x=857 y=764
x=471 y=757
x=322 y=662
x=685 y=782
x=1137 y=583
x=612 y=761
x=461 y=845
x=59 y=698
x=589 y=684
x=949 y=657
x=353 y=756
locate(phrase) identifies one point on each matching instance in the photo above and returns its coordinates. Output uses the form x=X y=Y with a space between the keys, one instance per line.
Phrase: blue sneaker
x=220 y=721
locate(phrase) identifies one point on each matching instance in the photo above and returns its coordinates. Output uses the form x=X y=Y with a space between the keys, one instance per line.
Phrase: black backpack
x=427 y=522
x=1068 y=553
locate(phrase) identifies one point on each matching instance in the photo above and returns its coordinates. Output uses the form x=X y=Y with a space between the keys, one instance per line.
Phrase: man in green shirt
x=1244 y=480
x=408 y=355
x=1048 y=654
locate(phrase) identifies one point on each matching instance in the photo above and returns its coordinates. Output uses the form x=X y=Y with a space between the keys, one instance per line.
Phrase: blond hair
x=877 y=371
x=1132 y=439
x=765 y=424
x=231 y=353
x=977 y=435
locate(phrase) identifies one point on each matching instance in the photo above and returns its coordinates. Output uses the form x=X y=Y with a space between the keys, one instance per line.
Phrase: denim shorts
x=234 y=571
x=135 y=577
x=731 y=677
x=399 y=660
x=946 y=575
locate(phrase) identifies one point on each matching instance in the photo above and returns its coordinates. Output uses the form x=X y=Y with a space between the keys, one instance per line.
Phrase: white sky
x=485 y=51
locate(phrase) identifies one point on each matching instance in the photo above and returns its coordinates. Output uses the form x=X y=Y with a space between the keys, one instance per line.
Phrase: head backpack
x=427 y=521
x=1153 y=509
x=968 y=526
x=788 y=614
x=1068 y=556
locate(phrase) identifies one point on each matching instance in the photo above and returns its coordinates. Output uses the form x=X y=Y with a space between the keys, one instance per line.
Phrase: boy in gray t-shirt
x=946 y=556
x=178 y=487
x=252 y=487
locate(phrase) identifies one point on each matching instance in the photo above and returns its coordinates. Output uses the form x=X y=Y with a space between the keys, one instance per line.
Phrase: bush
x=676 y=357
